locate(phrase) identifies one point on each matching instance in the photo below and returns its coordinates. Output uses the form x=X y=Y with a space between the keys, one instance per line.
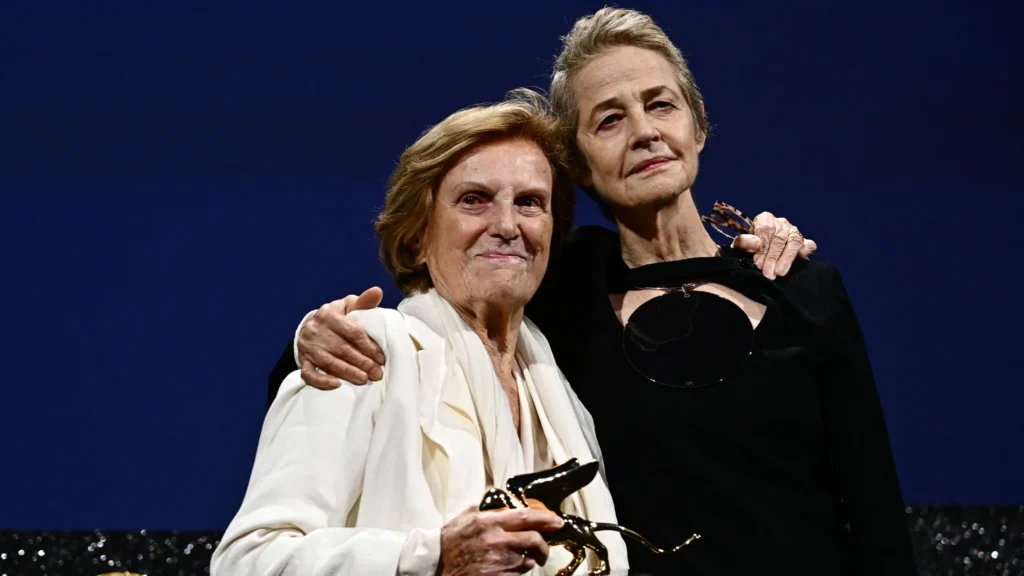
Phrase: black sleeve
x=546 y=306
x=285 y=366
x=860 y=450
x=565 y=294
x=540 y=308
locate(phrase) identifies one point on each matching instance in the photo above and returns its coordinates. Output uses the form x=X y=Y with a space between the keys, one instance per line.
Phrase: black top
x=783 y=467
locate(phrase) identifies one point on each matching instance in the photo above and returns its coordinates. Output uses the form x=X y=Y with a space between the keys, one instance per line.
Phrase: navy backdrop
x=181 y=181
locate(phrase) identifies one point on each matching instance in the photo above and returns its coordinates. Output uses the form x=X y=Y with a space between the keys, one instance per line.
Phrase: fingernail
x=376 y=373
x=380 y=359
x=360 y=378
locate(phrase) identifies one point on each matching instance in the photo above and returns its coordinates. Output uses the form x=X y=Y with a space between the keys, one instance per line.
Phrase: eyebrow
x=645 y=94
x=473 y=185
x=479 y=185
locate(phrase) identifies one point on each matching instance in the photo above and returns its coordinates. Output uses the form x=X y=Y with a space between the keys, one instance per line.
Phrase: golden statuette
x=546 y=490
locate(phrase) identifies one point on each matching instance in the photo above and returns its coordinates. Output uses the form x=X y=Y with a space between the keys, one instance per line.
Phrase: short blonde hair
x=594 y=35
x=403 y=222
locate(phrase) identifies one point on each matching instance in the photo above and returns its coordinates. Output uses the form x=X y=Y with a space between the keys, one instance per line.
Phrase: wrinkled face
x=635 y=129
x=489 y=236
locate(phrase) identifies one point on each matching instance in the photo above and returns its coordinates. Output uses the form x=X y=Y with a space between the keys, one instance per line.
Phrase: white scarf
x=557 y=407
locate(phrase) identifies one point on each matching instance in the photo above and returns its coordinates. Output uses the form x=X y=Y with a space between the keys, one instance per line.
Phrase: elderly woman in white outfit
x=386 y=479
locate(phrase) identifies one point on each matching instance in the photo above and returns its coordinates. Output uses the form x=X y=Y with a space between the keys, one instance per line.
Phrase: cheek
x=599 y=154
x=444 y=240
x=538 y=233
x=457 y=238
x=686 y=137
x=460 y=231
x=607 y=160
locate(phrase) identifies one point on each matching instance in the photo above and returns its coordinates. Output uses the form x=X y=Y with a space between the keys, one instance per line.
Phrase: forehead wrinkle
x=517 y=170
x=612 y=67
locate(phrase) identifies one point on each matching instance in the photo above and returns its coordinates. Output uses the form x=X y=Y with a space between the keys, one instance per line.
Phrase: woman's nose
x=643 y=131
x=504 y=223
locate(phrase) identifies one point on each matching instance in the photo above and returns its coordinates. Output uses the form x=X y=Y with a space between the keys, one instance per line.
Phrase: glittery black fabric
x=101 y=552
x=948 y=540
x=952 y=540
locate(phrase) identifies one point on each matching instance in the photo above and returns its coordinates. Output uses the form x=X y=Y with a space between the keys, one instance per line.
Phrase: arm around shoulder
x=296 y=517
x=286 y=364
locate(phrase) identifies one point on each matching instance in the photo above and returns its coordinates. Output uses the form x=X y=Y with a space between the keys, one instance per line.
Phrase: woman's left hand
x=775 y=244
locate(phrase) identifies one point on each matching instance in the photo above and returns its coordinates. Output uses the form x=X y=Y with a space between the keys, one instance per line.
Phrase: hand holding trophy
x=546 y=490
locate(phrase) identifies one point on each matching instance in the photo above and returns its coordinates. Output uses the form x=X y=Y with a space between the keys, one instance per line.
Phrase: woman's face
x=635 y=129
x=489 y=236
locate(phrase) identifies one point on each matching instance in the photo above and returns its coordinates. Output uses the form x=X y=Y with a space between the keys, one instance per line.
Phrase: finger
x=530 y=543
x=522 y=519
x=339 y=367
x=336 y=308
x=337 y=356
x=317 y=331
x=507 y=562
x=317 y=380
x=370 y=357
x=775 y=248
x=368 y=300
x=809 y=248
x=747 y=243
x=794 y=242
x=764 y=228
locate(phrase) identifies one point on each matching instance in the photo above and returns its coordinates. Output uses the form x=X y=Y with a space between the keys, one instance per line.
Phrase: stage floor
x=948 y=540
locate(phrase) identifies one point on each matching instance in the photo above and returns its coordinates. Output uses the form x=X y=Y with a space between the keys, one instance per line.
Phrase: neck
x=498 y=328
x=664 y=233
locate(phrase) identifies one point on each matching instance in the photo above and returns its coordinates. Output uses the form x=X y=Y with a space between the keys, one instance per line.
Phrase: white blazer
x=359 y=480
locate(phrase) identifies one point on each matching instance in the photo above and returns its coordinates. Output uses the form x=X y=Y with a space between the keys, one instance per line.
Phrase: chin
x=657 y=188
x=656 y=198
x=505 y=291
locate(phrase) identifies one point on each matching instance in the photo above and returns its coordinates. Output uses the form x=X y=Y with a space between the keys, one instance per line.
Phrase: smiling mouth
x=649 y=165
x=502 y=257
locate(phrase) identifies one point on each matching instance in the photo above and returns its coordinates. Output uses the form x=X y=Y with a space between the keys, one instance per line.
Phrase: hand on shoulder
x=333 y=345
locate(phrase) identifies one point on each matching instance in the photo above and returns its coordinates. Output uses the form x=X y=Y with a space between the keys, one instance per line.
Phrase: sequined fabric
x=953 y=540
x=100 y=552
x=948 y=540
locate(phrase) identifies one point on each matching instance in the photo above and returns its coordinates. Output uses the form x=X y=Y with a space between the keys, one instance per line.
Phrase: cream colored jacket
x=359 y=480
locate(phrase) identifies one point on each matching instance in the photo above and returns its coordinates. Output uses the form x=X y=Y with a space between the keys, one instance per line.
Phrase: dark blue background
x=182 y=181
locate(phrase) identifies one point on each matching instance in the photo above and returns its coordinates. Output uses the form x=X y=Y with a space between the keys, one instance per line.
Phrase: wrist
x=295 y=340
